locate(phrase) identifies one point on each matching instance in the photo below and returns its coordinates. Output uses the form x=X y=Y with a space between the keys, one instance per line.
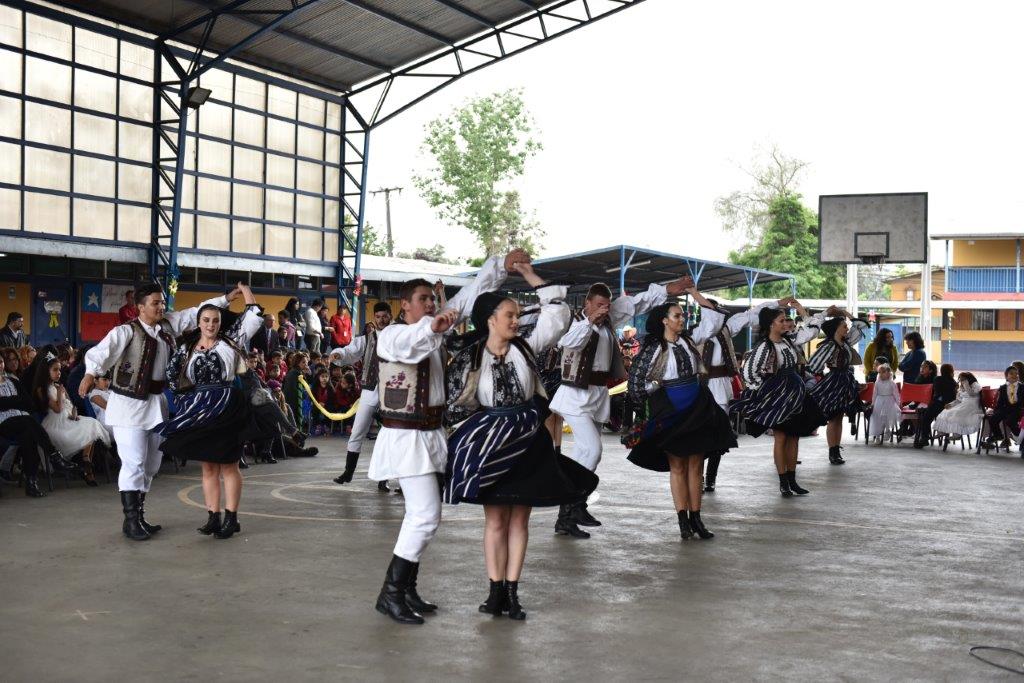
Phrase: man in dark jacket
x=266 y=340
x=13 y=334
x=1008 y=410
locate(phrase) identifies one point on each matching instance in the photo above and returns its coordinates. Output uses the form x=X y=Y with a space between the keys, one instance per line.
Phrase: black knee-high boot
x=566 y=523
x=131 y=527
x=712 y=473
x=351 y=460
x=150 y=528
x=391 y=600
x=412 y=596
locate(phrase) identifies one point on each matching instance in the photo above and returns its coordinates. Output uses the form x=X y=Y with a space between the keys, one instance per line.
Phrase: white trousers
x=586 y=435
x=368 y=401
x=139 y=450
x=422 y=515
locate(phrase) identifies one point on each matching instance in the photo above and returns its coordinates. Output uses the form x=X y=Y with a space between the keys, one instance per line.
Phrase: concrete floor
x=890 y=569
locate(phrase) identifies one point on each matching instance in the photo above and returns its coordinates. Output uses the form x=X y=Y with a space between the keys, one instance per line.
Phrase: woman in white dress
x=885 y=404
x=69 y=432
x=962 y=416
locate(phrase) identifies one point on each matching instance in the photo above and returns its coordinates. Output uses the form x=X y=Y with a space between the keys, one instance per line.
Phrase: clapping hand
x=513 y=257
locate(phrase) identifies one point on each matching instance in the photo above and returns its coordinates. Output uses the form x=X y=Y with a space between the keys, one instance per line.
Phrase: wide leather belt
x=157 y=387
x=718 y=371
x=430 y=421
x=598 y=379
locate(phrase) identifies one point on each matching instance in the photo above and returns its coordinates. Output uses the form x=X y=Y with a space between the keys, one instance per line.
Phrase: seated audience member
x=926 y=373
x=322 y=392
x=288 y=447
x=963 y=416
x=12 y=361
x=26 y=355
x=910 y=364
x=1004 y=421
x=286 y=332
x=99 y=396
x=944 y=391
x=291 y=389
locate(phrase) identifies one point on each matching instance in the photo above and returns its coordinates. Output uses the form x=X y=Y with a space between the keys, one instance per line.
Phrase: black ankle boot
x=685 y=530
x=515 y=610
x=833 y=455
x=230 y=526
x=150 y=528
x=351 y=460
x=784 y=485
x=267 y=454
x=412 y=597
x=391 y=600
x=382 y=486
x=131 y=527
x=566 y=524
x=698 y=525
x=497 y=600
x=582 y=516
x=709 y=485
x=242 y=464
x=212 y=523
x=793 y=486
x=32 y=488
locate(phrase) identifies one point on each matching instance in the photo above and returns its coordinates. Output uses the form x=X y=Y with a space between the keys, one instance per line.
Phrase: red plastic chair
x=867 y=392
x=920 y=394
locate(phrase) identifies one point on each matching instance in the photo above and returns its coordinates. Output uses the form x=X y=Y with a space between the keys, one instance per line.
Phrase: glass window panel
x=248 y=201
x=248 y=164
x=48 y=80
x=10 y=71
x=246 y=237
x=47 y=36
x=330 y=246
x=137 y=62
x=309 y=245
x=190 y=151
x=280 y=206
x=96 y=50
x=219 y=82
x=213 y=233
x=310 y=211
x=333 y=116
x=311 y=109
x=133 y=223
x=47 y=124
x=250 y=93
x=279 y=241
x=10 y=117
x=281 y=101
x=281 y=136
x=135 y=142
x=47 y=213
x=311 y=177
x=44 y=168
x=331 y=214
x=10 y=26
x=95 y=134
x=249 y=128
x=94 y=176
x=280 y=171
x=311 y=143
x=10 y=210
x=188 y=192
x=333 y=179
x=94 y=219
x=136 y=101
x=214 y=195
x=95 y=91
x=10 y=163
x=187 y=231
x=333 y=149
x=215 y=158
x=215 y=120
x=135 y=183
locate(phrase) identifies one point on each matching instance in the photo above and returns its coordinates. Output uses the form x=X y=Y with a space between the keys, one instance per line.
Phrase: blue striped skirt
x=211 y=424
x=197 y=408
x=781 y=403
x=836 y=394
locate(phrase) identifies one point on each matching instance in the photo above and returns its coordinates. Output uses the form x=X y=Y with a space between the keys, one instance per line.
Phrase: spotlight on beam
x=197 y=96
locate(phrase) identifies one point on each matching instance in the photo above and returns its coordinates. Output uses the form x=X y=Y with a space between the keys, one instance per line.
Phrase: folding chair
x=867 y=392
x=921 y=394
x=989 y=400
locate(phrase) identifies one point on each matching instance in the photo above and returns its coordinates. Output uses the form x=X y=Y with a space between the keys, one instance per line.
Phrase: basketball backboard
x=873 y=228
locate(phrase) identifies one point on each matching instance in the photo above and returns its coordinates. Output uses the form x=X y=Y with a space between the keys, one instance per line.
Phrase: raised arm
x=736 y=323
x=856 y=333
x=185 y=320
x=491 y=276
x=409 y=343
x=711 y=319
x=811 y=326
x=553 y=319
x=626 y=307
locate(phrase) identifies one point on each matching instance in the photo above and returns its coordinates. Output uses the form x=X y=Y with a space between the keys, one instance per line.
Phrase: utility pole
x=387 y=203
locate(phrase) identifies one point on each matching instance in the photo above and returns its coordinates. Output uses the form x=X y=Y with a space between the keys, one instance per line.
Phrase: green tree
x=478 y=151
x=789 y=244
x=373 y=244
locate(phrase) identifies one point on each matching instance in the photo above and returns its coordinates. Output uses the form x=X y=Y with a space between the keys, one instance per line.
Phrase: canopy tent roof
x=635 y=268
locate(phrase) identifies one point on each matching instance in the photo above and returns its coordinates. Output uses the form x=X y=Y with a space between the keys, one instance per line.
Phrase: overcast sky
x=646 y=116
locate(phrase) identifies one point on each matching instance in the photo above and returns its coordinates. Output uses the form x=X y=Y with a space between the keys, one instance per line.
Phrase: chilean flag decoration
x=100 y=304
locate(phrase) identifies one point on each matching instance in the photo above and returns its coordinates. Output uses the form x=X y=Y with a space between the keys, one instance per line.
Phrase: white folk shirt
x=721 y=387
x=710 y=324
x=401 y=453
x=146 y=413
x=593 y=401
x=230 y=361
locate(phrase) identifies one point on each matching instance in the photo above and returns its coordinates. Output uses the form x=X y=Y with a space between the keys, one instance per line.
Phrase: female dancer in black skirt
x=775 y=396
x=684 y=423
x=213 y=417
x=837 y=393
x=501 y=456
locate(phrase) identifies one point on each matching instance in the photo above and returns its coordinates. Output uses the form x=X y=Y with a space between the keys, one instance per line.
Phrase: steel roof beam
x=395 y=19
x=466 y=12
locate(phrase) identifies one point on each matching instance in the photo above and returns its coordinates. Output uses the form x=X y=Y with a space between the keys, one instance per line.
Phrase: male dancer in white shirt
x=137 y=353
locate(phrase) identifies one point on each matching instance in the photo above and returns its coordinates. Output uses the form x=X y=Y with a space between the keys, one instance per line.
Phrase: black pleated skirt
x=218 y=439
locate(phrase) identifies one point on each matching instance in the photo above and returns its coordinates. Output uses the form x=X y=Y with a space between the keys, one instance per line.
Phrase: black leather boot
x=131 y=527
x=412 y=597
x=834 y=456
x=230 y=527
x=793 y=486
x=698 y=525
x=242 y=464
x=382 y=486
x=709 y=485
x=212 y=523
x=150 y=528
x=391 y=600
x=582 y=517
x=685 y=530
x=566 y=524
x=497 y=600
x=515 y=610
x=32 y=488
x=351 y=460
x=784 y=485
x=266 y=453
x=61 y=463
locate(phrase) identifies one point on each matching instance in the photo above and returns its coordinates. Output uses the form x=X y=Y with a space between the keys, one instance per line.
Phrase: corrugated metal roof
x=332 y=43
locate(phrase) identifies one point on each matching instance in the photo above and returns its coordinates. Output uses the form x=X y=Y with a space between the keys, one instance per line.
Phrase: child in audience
x=321 y=387
x=885 y=403
x=98 y=397
x=1004 y=422
x=962 y=416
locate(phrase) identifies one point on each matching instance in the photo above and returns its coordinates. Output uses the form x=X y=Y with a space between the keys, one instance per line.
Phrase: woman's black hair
x=483 y=308
x=765 y=318
x=930 y=365
x=292 y=305
x=969 y=376
x=39 y=372
x=227 y=319
x=947 y=370
x=830 y=326
x=880 y=340
x=915 y=340
x=655 y=325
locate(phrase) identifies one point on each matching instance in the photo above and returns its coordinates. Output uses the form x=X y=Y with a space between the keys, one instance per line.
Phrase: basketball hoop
x=872 y=258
